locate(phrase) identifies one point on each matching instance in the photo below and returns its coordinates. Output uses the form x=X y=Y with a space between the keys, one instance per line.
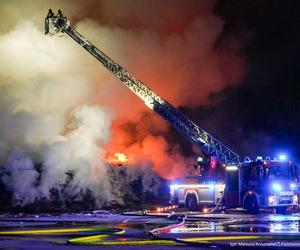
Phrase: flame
x=117 y=158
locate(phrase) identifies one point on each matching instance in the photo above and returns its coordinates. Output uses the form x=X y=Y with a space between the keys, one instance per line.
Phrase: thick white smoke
x=44 y=122
x=20 y=177
x=47 y=120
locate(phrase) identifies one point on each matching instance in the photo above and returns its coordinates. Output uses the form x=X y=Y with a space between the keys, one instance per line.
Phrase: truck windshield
x=281 y=171
x=278 y=172
x=274 y=171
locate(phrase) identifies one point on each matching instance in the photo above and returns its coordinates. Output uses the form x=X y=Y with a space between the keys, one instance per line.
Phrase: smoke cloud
x=64 y=113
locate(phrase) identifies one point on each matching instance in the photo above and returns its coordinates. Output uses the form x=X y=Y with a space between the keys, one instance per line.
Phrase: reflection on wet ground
x=134 y=230
x=251 y=224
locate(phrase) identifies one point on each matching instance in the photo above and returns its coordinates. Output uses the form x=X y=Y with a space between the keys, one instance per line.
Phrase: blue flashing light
x=282 y=157
x=292 y=186
x=277 y=187
x=174 y=186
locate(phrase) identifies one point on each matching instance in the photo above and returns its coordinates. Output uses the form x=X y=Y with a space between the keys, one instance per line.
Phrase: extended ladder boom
x=57 y=24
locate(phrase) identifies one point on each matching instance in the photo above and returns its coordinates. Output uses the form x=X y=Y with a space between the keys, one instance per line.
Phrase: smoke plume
x=61 y=112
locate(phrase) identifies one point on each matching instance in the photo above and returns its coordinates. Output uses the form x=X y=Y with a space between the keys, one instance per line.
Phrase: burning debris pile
x=61 y=114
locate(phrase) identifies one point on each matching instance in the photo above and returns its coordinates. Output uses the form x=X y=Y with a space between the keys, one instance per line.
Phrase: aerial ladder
x=59 y=24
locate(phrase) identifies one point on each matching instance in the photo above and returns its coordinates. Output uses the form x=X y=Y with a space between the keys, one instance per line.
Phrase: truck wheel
x=250 y=204
x=191 y=202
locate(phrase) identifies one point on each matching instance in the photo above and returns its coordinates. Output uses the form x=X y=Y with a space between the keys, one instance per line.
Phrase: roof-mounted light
x=282 y=157
x=231 y=168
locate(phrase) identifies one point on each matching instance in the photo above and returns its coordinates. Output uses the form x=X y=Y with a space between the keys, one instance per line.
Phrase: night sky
x=261 y=116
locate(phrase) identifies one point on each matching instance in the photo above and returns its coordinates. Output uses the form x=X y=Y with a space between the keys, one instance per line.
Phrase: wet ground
x=103 y=230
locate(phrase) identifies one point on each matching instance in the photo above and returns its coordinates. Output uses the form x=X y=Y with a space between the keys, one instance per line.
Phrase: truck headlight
x=295 y=199
x=272 y=200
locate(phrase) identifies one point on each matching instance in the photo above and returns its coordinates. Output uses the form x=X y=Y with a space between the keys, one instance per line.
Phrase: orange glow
x=117 y=158
x=144 y=149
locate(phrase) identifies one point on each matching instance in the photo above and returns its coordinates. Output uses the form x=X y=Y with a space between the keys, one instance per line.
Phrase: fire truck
x=219 y=177
x=253 y=184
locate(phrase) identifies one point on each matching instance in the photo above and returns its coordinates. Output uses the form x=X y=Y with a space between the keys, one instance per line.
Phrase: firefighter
x=49 y=15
